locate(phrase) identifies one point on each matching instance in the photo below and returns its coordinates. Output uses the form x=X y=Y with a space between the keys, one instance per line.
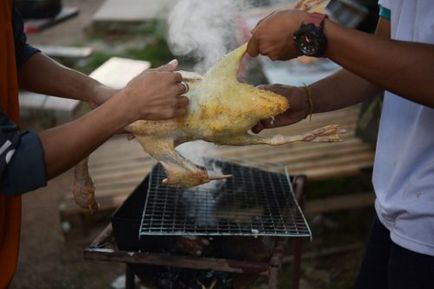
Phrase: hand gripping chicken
x=222 y=110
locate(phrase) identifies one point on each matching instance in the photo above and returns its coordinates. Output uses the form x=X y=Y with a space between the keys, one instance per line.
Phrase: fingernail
x=173 y=62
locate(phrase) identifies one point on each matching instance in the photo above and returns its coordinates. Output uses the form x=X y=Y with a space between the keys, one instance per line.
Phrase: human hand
x=273 y=35
x=157 y=94
x=298 y=107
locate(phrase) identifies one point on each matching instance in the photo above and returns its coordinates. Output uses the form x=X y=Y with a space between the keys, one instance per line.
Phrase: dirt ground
x=46 y=260
x=72 y=31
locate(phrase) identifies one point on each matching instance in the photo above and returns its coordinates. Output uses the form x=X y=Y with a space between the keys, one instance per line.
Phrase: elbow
x=25 y=171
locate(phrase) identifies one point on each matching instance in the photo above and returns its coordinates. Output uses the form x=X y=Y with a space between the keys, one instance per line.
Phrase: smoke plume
x=205 y=29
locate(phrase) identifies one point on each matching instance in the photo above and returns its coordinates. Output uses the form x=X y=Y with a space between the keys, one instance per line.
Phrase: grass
x=140 y=42
x=156 y=51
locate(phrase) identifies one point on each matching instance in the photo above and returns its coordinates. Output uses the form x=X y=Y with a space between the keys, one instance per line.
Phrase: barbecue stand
x=289 y=222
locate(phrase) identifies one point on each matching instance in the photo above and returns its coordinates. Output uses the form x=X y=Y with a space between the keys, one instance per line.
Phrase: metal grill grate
x=251 y=203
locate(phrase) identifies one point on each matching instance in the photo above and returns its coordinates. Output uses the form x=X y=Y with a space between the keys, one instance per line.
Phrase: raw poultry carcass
x=222 y=110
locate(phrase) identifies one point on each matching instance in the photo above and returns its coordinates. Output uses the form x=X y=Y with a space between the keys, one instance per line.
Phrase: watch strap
x=315 y=18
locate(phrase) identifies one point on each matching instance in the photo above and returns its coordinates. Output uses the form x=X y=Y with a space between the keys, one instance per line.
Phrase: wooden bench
x=54 y=109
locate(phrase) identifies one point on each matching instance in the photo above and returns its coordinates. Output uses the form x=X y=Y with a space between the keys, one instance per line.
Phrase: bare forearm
x=66 y=145
x=340 y=90
x=42 y=74
x=405 y=68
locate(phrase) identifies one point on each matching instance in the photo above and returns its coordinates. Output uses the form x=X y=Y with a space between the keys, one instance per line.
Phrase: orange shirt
x=10 y=207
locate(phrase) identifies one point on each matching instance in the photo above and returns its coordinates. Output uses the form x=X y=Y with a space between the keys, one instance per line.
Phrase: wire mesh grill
x=251 y=203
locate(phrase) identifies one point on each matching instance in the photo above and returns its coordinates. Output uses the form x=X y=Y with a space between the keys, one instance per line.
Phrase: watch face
x=308 y=44
x=310 y=40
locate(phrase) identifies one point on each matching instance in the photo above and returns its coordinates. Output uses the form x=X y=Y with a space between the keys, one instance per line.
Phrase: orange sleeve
x=10 y=207
x=10 y=221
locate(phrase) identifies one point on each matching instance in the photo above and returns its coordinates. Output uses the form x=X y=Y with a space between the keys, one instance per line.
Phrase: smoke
x=200 y=153
x=201 y=201
x=205 y=29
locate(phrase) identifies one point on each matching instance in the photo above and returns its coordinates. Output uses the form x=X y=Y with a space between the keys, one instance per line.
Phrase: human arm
x=39 y=73
x=155 y=94
x=29 y=160
x=44 y=75
x=325 y=96
x=339 y=90
x=404 y=68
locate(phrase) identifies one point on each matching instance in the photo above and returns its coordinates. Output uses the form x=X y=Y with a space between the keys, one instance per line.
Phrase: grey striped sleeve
x=22 y=167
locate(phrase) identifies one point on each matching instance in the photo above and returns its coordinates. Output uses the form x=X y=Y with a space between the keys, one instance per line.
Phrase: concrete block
x=117 y=72
x=133 y=10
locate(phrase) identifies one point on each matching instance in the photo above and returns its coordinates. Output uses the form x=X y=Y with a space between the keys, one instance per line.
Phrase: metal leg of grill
x=273 y=278
x=276 y=262
x=296 y=269
x=129 y=278
x=297 y=242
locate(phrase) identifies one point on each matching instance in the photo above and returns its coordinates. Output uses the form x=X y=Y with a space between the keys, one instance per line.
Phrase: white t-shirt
x=403 y=175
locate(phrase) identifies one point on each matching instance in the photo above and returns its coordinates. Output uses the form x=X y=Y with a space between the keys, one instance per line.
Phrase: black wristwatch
x=310 y=38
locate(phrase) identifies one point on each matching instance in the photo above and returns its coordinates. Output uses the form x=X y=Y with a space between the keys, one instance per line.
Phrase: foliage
x=142 y=42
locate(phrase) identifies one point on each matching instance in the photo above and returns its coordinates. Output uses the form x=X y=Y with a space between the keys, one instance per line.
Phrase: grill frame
x=275 y=221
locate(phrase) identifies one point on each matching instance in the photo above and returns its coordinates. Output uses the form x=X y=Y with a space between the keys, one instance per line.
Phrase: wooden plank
x=66 y=52
x=121 y=167
x=339 y=203
x=324 y=159
x=293 y=153
x=124 y=177
x=341 y=160
x=335 y=171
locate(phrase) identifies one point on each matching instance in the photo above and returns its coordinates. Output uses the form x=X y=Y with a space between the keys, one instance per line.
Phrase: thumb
x=253 y=47
x=171 y=66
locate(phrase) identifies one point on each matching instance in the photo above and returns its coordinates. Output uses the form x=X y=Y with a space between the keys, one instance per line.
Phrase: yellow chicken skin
x=221 y=110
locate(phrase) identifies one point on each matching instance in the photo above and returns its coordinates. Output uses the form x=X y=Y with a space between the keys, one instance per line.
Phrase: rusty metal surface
x=199 y=263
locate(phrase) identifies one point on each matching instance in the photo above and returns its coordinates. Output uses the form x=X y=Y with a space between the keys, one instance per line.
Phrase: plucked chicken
x=222 y=110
